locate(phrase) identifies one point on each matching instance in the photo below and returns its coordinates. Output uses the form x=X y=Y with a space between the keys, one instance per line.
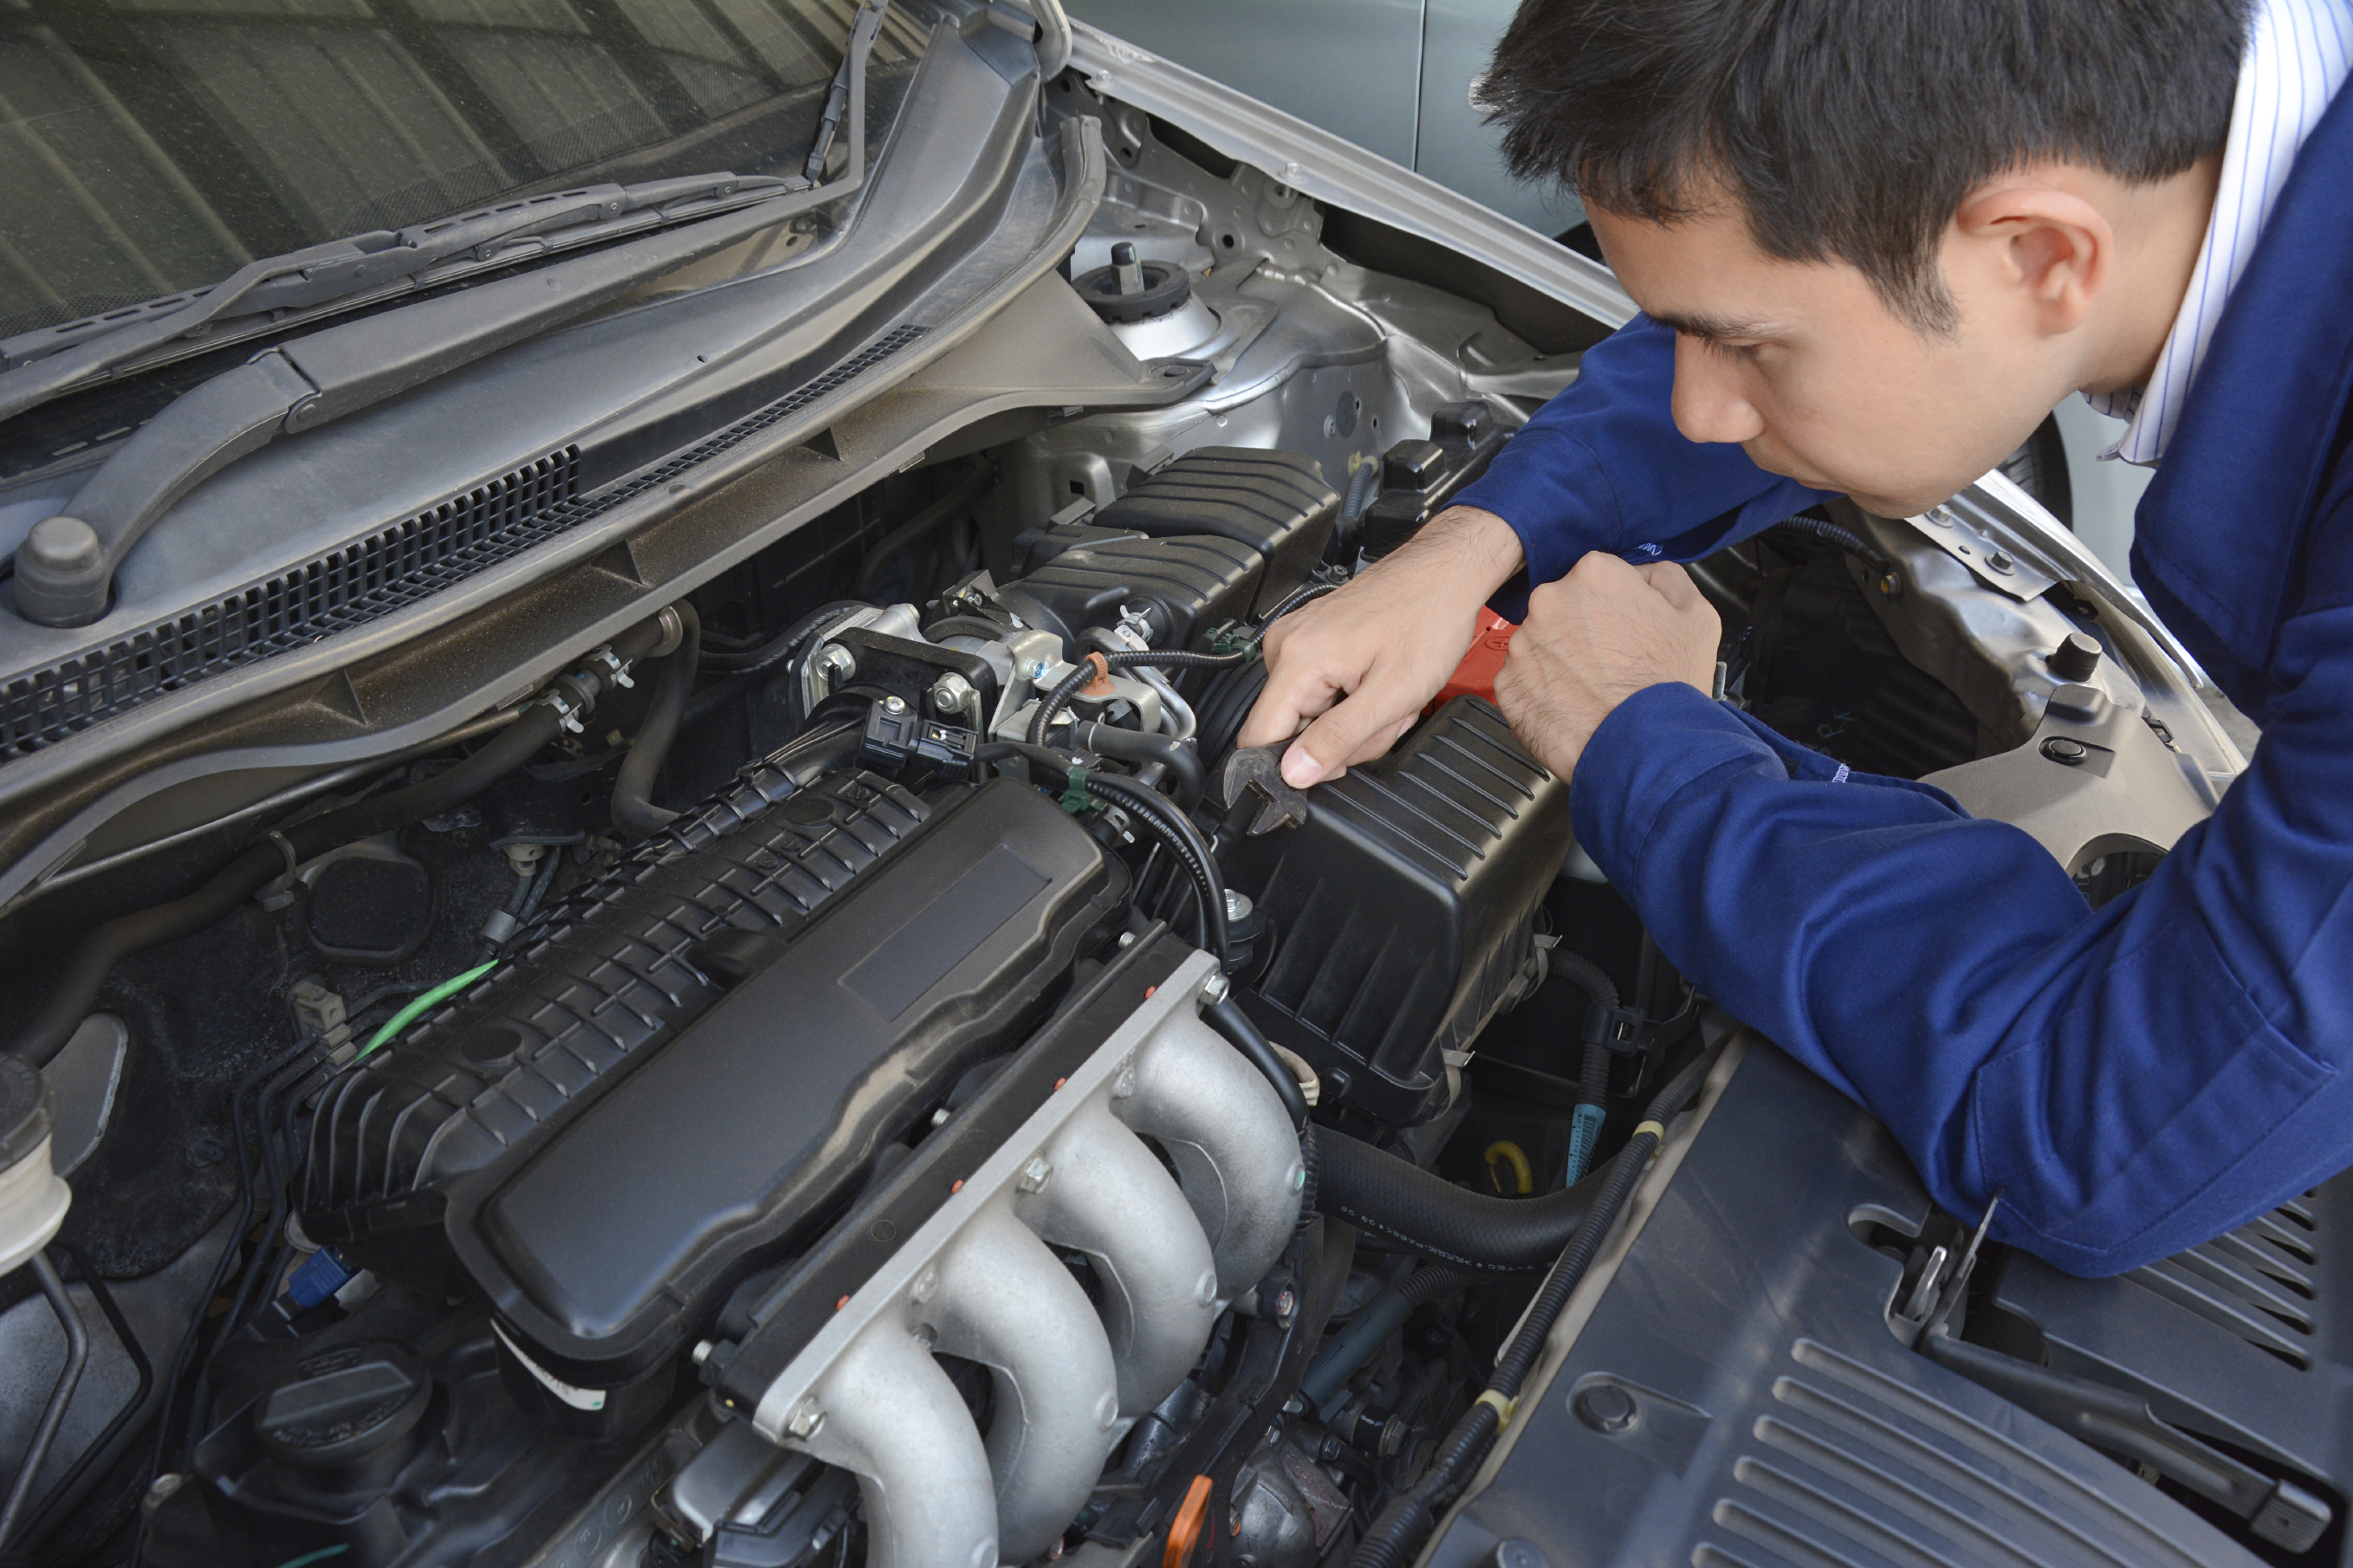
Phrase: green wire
x=319 y=1556
x=407 y=1015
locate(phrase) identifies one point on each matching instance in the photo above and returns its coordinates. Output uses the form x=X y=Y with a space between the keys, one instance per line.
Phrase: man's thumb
x=1322 y=749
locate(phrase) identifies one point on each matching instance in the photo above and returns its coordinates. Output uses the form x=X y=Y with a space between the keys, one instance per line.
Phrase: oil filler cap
x=345 y=1405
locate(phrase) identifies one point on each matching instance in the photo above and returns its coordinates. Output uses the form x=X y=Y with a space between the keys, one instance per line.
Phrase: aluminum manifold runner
x=980 y=1279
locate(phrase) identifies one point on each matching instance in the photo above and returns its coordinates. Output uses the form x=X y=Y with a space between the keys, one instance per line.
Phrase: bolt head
x=1214 y=989
x=893 y=705
x=1237 y=905
x=1035 y=1175
x=804 y=1419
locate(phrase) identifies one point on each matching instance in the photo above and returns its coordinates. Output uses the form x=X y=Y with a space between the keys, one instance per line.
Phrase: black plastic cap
x=2075 y=658
x=344 y=1405
x=28 y=1110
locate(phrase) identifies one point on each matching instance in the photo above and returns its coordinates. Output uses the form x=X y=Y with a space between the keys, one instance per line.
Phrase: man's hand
x=1593 y=639
x=1363 y=661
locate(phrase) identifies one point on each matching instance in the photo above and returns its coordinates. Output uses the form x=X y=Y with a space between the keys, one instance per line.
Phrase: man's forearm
x=1465 y=553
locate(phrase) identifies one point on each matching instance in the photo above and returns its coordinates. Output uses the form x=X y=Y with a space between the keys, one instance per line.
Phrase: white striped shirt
x=2298 y=53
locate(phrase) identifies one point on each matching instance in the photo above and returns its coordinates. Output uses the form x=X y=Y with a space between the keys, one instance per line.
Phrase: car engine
x=853 y=1066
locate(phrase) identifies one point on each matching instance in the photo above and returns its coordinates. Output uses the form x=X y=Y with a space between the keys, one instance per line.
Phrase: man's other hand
x=1593 y=639
x=1361 y=663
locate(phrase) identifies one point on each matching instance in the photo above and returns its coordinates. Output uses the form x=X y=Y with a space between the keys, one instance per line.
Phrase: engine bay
x=854 y=1067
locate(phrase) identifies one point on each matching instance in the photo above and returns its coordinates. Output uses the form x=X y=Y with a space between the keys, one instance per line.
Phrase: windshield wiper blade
x=65 y=567
x=43 y=364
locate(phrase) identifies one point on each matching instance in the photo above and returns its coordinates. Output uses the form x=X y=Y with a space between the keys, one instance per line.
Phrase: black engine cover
x=726 y=1072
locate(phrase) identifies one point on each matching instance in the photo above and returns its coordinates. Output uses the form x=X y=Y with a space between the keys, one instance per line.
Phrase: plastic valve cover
x=604 y=1232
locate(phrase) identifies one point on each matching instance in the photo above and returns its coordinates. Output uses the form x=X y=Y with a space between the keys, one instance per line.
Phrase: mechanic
x=1875 y=242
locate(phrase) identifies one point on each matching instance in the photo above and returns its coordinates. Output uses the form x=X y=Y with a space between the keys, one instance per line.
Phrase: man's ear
x=2048 y=247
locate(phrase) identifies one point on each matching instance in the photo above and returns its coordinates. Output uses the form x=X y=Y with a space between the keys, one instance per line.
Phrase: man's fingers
x=1673 y=583
x=1339 y=737
x=1291 y=698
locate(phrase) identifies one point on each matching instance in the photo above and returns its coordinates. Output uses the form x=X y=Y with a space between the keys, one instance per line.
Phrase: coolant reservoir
x=32 y=1198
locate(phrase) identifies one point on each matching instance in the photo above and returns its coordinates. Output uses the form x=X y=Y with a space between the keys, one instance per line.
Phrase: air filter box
x=1402 y=913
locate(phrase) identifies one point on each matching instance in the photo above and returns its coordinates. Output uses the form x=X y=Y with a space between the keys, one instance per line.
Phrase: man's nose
x=1709 y=402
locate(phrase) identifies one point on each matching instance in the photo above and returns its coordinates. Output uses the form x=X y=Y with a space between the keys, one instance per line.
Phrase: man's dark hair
x=1853 y=129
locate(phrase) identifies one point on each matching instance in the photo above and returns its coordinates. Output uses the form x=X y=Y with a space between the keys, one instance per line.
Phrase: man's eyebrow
x=1713 y=329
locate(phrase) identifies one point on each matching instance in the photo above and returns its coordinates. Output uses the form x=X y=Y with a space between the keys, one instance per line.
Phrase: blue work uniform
x=2132 y=1081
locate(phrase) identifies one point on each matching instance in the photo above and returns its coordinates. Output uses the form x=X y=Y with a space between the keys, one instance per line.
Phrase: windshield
x=151 y=146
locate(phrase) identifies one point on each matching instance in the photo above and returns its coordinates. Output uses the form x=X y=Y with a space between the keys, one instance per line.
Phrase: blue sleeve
x=2133 y=1080
x=1602 y=467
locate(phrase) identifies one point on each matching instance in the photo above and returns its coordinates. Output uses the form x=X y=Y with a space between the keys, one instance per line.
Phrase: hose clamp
x=567 y=711
x=608 y=666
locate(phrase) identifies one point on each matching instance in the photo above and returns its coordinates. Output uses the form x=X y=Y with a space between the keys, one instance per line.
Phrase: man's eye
x=1732 y=350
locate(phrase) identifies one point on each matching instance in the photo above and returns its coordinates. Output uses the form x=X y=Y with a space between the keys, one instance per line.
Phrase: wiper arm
x=65 y=567
x=43 y=364
x=848 y=93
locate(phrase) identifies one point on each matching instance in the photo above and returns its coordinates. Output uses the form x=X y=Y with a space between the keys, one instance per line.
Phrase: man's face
x=1808 y=368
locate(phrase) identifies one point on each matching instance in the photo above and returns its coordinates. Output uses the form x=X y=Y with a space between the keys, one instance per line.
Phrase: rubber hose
x=1380 y=1317
x=1585 y=976
x=1224 y=706
x=1593 y=1075
x=1159 y=659
x=1192 y=852
x=1227 y=1017
x=782 y=645
x=84 y=971
x=1398 y=1533
x=1312 y=1179
x=1397 y=1199
x=633 y=812
x=1616 y=1184
x=757 y=669
x=1831 y=533
x=959 y=499
x=1184 y=771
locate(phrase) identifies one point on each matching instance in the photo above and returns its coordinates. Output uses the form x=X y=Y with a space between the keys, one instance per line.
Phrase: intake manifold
x=980 y=1280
